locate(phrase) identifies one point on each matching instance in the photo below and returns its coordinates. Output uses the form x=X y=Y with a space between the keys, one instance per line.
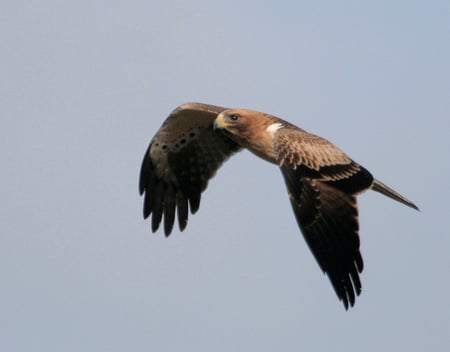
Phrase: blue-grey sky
x=85 y=84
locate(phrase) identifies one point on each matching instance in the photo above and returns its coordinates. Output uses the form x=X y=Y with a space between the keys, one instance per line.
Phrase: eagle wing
x=322 y=183
x=182 y=157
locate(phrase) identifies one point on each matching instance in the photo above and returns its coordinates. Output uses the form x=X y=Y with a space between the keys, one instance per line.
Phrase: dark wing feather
x=328 y=219
x=182 y=157
x=317 y=158
x=322 y=183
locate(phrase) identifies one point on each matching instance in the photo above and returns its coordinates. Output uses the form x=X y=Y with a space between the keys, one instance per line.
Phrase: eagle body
x=321 y=180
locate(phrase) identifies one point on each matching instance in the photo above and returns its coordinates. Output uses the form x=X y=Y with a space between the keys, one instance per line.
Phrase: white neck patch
x=274 y=127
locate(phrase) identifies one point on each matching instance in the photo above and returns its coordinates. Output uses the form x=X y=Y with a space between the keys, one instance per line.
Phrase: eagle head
x=228 y=120
x=250 y=129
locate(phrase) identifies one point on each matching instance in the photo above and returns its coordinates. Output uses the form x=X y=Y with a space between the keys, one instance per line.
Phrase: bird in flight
x=321 y=180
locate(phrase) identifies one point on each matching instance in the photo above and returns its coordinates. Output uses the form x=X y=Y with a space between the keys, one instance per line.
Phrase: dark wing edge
x=328 y=219
x=172 y=181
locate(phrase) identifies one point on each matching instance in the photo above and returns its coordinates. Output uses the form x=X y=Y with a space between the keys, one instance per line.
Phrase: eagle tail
x=389 y=192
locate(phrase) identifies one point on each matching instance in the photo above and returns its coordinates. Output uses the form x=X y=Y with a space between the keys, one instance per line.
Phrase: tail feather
x=383 y=189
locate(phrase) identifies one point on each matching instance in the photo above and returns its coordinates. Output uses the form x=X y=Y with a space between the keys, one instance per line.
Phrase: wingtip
x=389 y=192
x=182 y=225
x=415 y=207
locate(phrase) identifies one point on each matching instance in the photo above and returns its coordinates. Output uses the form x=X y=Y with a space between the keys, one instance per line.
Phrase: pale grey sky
x=85 y=84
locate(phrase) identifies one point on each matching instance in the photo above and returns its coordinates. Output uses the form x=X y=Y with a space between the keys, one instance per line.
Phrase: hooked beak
x=219 y=123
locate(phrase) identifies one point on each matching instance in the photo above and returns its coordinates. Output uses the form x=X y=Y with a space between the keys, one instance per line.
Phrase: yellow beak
x=220 y=123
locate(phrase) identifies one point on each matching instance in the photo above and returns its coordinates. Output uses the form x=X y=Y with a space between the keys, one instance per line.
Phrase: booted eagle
x=321 y=180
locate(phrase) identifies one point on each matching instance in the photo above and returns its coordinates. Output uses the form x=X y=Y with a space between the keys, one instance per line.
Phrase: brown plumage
x=321 y=180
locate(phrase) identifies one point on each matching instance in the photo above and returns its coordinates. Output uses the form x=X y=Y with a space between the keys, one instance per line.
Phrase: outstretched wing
x=182 y=157
x=315 y=157
x=322 y=183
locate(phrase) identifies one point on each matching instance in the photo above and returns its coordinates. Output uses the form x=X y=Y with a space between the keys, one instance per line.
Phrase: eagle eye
x=234 y=117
